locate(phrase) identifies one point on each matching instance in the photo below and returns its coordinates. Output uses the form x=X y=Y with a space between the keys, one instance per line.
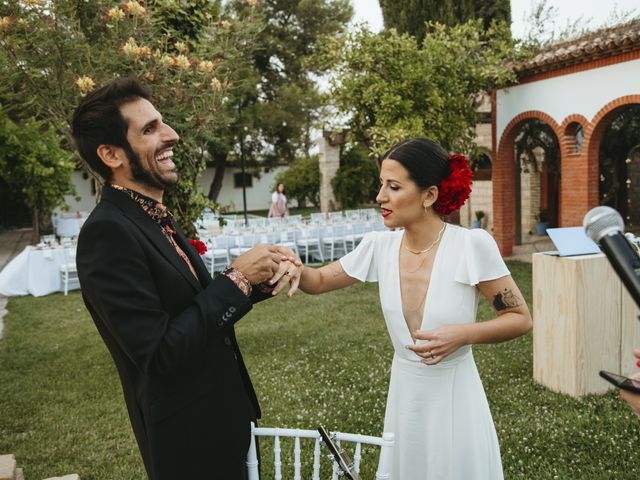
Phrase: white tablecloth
x=35 y=272
x=69 y=227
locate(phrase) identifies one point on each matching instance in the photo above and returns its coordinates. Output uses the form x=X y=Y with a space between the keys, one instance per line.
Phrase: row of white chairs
x=310 y=242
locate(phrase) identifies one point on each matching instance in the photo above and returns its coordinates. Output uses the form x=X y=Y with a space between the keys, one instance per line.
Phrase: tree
x=33 y=163
x=356 y=182
x=53 y=53
x=392 y=89
x=302 y=180
x=409 y=16
x=273 y=115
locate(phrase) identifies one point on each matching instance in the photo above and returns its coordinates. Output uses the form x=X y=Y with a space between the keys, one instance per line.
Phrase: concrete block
x=72 y=476
x=7 y=467
x=19 y=474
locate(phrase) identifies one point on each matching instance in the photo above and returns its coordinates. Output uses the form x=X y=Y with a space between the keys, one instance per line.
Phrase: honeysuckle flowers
x=5 y=23
x=206 y=66
x=115 y=13
x=216 y=86
x=85 y=84
x=182 y=47
x=135 y=9
x=132 y=49
x=182 y=62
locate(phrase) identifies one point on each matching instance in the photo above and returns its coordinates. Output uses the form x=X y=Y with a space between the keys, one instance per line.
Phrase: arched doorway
x=619 y=165
x=537 y=177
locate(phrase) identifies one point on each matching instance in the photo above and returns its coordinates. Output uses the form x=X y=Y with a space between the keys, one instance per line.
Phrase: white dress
x=439 y=414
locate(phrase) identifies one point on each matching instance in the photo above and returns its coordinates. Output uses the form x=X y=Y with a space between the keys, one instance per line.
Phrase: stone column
x=329 y=160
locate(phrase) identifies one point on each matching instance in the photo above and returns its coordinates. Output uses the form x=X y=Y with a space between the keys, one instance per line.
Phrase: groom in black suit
x=167 y=324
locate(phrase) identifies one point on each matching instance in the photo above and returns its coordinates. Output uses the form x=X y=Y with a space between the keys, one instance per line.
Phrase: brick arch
x=504 y=211
x=568 y=140
x=593 y=137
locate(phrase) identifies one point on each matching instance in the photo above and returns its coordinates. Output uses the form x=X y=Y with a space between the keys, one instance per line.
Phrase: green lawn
x=314 y=359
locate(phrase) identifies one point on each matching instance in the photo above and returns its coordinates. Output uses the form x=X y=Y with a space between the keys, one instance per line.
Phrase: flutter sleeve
x=360 y=263
x=481 y=259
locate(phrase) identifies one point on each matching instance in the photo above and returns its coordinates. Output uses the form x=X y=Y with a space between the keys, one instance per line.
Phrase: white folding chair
x=288 y=239
x=334 y=239
x=244 y=243
x=308 y=241
x=217 y=256
x=318 y=217
x=68 y=270
x=386 y=443
x=355 y=233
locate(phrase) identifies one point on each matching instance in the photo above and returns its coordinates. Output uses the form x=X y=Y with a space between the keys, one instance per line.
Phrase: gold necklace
x=420 y=252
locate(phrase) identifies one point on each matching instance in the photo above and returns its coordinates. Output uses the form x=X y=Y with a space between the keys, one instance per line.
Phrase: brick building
x=566 y=136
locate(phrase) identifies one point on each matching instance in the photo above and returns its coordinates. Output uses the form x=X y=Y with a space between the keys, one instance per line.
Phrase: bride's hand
x=289 y=272
x=439 y=343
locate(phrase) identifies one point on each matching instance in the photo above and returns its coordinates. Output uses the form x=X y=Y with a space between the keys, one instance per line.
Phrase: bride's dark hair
x=425 y=160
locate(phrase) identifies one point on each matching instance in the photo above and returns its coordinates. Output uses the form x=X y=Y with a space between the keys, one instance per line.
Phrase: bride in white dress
x=430 y=275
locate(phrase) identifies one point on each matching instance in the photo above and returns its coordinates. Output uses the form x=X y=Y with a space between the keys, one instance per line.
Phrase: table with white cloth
x=33 y=272
x=69 y=227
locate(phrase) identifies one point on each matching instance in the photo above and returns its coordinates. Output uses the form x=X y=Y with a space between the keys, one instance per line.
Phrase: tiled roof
x=602 y=43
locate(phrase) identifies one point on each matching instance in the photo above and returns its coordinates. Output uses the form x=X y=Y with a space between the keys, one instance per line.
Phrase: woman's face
x=399 y=197
x=281 y=187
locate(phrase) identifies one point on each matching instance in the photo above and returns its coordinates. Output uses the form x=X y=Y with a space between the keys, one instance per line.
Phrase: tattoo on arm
x=505 y=299
x=336 y=270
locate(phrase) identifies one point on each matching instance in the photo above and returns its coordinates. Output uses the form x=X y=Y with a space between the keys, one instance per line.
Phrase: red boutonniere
x=200 y=247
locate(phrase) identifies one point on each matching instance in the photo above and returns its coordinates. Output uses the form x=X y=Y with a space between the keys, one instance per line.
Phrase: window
x=237 y=180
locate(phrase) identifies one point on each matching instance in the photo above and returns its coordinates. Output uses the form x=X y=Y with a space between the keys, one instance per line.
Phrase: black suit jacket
x=187 y=390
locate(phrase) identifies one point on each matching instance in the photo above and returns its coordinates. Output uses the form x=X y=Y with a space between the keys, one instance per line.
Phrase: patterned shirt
x=160 y=214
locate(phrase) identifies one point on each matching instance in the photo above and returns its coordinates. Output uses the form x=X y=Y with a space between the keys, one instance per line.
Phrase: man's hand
x=260 y=263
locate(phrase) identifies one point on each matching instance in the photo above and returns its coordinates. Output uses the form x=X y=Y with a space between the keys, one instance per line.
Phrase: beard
x=145 y=176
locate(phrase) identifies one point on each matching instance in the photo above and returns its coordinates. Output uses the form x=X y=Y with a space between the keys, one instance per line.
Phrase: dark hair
x=98 y=121
x=425 y=160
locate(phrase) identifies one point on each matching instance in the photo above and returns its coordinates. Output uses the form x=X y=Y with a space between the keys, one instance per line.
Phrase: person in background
x=279 y=206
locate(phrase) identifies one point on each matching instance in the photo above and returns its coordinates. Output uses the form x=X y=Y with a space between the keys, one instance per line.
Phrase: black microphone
x=605 y=226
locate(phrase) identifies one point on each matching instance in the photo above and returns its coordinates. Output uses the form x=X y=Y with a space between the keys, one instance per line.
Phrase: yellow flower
x=182 y=62
x=166 y=61
x=134 y=8
x=181 y=47
x=225 y=24
x=130 y=48
x=32 y=3
x=115 y=13
x=5 y=23
x=85 y=84
x=206 y=66
x=216 y=86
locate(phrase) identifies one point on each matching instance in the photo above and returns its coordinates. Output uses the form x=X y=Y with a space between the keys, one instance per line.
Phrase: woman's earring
x=426 y=207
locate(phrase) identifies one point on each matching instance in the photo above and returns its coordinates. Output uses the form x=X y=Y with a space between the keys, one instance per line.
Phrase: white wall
x=583 y=93
x=258 y=196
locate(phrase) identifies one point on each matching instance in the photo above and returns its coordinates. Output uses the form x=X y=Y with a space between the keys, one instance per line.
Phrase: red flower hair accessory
x=456 y=188
x=200 y=247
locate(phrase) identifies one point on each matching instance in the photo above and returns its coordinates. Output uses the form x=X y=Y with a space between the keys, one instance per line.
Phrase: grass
x=314 y=360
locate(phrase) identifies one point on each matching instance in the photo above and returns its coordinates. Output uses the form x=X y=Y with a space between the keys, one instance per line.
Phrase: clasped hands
x=272 y=265
x=438 y=343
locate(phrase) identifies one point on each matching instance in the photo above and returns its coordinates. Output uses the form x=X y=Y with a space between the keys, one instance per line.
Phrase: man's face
x=151 y=141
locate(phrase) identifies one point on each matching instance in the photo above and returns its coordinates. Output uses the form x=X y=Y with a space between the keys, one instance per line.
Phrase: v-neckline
x=434 y=270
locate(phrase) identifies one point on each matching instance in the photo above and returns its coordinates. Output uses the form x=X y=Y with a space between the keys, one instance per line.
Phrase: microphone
x=605 y=226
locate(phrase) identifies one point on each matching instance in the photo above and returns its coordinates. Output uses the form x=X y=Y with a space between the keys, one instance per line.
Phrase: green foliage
x=33 y=163
x=271 y=118
x=302 y=180
x=356 y=181
x=410 y=16
x=392 y=89
x=50 y=57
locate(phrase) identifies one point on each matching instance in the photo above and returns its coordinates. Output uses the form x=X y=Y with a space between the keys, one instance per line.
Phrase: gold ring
x=432 y=356
x=287 y=273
